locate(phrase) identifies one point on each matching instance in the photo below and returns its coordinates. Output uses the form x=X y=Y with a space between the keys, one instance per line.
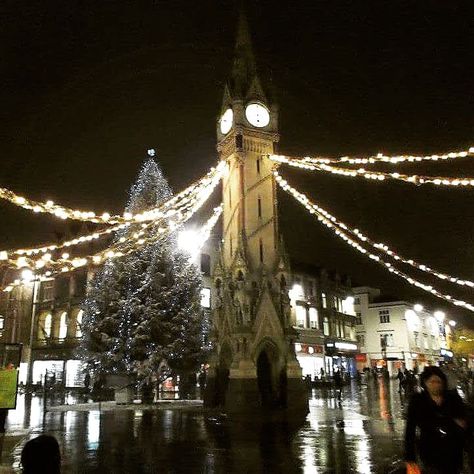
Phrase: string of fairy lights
x=343 y=232
x=393 y=159
x=178 y=213
x=379 y=246
x=167 y=209
x=63 y=212
x=312 y=164
x=134 y=231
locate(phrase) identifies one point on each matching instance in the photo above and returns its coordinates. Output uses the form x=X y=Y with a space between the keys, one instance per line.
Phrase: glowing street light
x=189 y=242
x=452 y=323
x=296 y=291
x=439 y=315
x=27 y=275
x=418 y=307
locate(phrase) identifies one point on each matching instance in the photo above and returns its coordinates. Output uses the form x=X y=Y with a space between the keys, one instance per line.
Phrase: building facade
x=323 y=316
x=396 y=334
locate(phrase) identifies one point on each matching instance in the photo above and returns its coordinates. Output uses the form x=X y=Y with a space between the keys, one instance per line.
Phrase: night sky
x=88 y=87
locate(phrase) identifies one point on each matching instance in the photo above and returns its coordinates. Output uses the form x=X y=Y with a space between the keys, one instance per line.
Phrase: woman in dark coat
x=440 y=416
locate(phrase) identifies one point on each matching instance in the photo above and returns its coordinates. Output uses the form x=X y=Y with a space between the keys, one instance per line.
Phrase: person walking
x=401 y=381
x=338 y=384
x=440 y=416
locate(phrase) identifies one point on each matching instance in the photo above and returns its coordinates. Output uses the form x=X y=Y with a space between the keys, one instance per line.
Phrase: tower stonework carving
x=254 y=366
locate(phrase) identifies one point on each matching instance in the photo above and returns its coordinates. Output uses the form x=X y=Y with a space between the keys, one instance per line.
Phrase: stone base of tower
x=239 y=394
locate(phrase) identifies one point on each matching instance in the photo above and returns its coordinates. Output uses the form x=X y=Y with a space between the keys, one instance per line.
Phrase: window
x=326 y=326
x=313 y=318
x=206 y=298
x=45 y=324
x=79 y=324
x=2 y=322
x=356 y=300
x=358 y=318
x=416 y=339
x=425 y=341
x=261 y=250
x=386 y=340
x=61 y=287
x=433 y=343
x=300 y=316
x=324 y=300
x=259 y=207
x=384 y=315
x=63 y=325
x=258 y=165
x=361 y=339
x=206 y=264
x=80 y=284
x=47 y=290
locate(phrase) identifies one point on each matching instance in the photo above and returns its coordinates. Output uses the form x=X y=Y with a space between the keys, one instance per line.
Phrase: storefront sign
x=361 y=357
x=346 y=346
x=8 y=388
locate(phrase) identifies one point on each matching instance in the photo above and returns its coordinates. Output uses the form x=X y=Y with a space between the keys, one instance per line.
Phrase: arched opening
x=222 y=375
x=265 y=382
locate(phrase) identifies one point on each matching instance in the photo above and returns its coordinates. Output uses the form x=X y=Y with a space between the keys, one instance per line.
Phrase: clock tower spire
x=254 y=361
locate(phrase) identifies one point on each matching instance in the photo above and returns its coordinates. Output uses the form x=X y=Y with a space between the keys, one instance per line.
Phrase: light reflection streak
x=93 y=430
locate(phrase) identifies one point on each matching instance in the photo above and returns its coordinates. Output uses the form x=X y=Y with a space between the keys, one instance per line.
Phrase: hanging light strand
x=394 y=159
x=168 y=208
x=344 y=234
x=126 y=244
x=379 y=246
x=309 y=164
x=62 y=212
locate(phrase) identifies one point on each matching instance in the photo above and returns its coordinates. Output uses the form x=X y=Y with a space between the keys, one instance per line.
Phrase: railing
x=57 y=341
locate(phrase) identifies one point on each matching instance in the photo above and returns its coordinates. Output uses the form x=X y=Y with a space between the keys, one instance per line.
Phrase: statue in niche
x=254 y=293
x=244 y=346
x=239 y=317
x=285 y=308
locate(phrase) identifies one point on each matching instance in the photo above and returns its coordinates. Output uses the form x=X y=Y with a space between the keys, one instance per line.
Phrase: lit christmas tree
x=142 y=316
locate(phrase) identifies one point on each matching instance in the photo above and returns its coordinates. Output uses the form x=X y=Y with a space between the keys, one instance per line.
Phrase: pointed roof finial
x=244 y=67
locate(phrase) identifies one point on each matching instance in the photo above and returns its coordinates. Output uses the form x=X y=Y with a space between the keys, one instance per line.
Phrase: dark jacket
x=440 y=441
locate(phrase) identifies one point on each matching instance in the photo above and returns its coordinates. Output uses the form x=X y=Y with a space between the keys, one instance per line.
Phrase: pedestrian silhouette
x=41 y=456
x=440 y=416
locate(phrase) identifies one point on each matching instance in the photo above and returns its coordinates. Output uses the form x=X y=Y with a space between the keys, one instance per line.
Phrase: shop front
x=311 y=359
x=341 y=355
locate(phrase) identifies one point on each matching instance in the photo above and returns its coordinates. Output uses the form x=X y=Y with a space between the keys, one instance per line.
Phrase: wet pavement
x=363 y=434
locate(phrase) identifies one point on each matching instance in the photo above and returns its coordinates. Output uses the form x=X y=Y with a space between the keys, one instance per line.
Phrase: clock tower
x=254 y=366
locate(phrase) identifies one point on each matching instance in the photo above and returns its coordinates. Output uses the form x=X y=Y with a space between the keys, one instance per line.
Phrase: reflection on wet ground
x=362 y=434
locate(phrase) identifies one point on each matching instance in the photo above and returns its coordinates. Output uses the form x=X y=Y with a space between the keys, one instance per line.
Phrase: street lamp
x=439 y=315
x=452 y=323
x=418 y=307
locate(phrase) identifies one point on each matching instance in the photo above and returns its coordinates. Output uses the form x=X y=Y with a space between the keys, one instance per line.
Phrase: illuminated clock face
x=226 y=121
x=257 y=115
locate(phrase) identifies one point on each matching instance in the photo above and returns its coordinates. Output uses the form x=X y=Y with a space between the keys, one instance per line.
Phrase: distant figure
x=41 y=456
x=401 y=381
x=87 y=381
x=374 y=373
x=440 y=416
x=202 y=380
x=338 y=384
